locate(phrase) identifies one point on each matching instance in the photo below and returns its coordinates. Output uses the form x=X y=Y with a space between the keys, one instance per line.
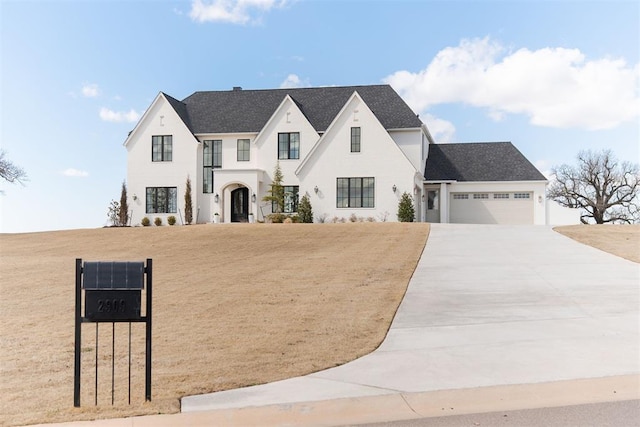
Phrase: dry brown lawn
x=234 y=305
x=620 y=240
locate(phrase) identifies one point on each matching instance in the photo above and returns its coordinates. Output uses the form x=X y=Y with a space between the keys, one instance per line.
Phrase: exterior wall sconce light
x=253 y=197
x=315 y=189
x=394 y=188
x=216 y=198
x=135 y=197
x=539 y=199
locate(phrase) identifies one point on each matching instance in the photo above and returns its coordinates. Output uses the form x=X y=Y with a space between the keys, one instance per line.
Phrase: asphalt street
x=610 y=414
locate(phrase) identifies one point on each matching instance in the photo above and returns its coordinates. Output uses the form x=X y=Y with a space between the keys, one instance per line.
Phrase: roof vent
x=235 y=88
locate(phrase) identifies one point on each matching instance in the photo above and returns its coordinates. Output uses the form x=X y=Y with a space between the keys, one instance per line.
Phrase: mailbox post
x=112 y=293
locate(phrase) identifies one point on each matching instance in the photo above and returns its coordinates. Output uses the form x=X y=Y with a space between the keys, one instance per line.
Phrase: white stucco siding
x=523 y=202
x=142 y=172
x=410 y=142
x=287 y=119
x=379 y=157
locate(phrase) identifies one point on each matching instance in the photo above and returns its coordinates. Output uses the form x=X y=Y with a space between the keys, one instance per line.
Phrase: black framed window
x=355 y=140
x=211 y=159
x=290 y=199
x=289 y=145
x=162 y=148
x=162 y=199
x=244 y=150
x=355 y=192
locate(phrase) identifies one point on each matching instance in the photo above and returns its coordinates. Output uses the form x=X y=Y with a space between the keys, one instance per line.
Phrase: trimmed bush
x=171 y=220
x=304 y=210
x=406 y=211
x=158 y=221
x=145 y=222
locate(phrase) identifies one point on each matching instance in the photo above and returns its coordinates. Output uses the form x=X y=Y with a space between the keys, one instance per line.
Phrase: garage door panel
x=491 y=211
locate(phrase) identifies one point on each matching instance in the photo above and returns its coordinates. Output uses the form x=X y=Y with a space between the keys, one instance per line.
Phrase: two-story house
x=353 y=150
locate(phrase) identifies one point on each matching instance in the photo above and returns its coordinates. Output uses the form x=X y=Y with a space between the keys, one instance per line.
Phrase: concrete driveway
x=487 y=306
x=495 y=318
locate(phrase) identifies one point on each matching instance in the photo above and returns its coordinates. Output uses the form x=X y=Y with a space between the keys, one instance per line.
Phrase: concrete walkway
x=495 y=317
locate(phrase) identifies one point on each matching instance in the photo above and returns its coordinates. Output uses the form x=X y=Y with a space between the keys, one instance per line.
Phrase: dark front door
x=240 y=205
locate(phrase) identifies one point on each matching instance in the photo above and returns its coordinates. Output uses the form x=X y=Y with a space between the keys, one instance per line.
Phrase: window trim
x=246 y=150
x=366 y=194
x=295 y=191
x=356 y=139
x=171 y=196
x=291 y=153
x=208 y=165
x=165 y=153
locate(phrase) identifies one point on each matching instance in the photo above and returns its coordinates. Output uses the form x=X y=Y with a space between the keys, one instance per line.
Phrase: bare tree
x=11 y=172
x=605 y=189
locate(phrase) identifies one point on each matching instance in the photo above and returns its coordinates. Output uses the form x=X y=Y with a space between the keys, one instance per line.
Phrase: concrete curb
x=398 y=406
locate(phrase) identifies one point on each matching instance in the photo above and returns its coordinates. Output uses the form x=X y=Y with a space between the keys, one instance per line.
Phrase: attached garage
x=491 y=208
x=483 y=183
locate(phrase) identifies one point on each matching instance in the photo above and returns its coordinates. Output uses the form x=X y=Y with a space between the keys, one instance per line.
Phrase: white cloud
x=75 y=173
x=554 y=87
x=441 y=130
x=232 y=11
x=293 y=81
x=544 y=166
x=119 y=116
x=90 y=90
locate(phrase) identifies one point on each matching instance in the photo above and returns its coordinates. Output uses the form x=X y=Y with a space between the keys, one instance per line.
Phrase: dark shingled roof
x=249 y=110
x=481 y=161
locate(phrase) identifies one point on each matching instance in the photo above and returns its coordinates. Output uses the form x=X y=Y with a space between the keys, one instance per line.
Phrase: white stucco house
x=352 y=149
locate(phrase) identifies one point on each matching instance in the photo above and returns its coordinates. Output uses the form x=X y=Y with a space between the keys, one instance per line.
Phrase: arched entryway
x=240 y=205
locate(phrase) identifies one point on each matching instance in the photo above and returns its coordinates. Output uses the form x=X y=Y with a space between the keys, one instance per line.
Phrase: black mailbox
x=113 y=291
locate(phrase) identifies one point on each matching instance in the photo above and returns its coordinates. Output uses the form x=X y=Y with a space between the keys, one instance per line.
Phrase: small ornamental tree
x=123 y=212
x=114 y=213
x=276 y=192
x=188 y=205
x=304 y=210
x=406 y=211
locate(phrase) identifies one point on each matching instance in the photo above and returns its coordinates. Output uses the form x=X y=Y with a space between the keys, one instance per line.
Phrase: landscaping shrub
x=158 y=221
x=406 y=211
x=171 y=220
x=145 y=222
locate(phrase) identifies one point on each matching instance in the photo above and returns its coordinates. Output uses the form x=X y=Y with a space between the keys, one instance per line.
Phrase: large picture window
x=211 y=159
x=355 y=140
x=244 y=150
x=162 y=148
x=289 y=145
x=162 y=199
x=355 y=192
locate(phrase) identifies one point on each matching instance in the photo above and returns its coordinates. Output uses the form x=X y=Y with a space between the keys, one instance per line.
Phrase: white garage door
x=491 y=208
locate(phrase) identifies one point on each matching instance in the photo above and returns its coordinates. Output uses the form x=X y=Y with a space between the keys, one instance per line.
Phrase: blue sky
x=552 y=77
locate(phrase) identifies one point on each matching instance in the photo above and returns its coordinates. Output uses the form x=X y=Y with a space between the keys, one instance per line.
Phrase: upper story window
x=211 y=159
x=289 y=145
x=355 y=192
x=162 y=148
x=244 y=150
x=355 y=140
